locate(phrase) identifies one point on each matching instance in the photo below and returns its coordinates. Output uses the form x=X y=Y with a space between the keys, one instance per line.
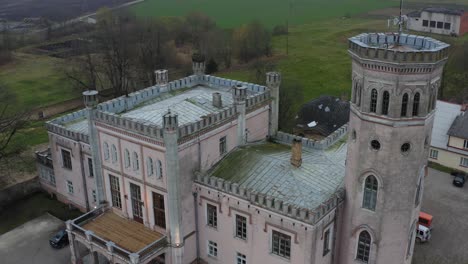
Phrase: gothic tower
x=395 y=79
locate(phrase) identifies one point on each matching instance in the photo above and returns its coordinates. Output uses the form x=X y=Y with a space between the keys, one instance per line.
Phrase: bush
x=211 y=66
x=280 y=30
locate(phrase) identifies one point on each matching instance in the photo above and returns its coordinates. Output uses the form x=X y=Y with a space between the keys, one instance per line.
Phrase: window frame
x=114 y=155
x=222 y=145
x=136 y=161
x=365 y=246
x=370 y=195
x=70 y=188
x=241 y=258
x=90 y=167
x=327 y=240
x=434 y=151
x=440 y=25
x=212 y=249
x=281 y=244
x=159 y=209
x=416 y=104
x=425 y=23
x=106 y=151
x=449 y=26
x=212 y=215
x=432 y=24
x=465 y=143
x=385 y=102
x=241 y=227
x=150 y=166
x=464 y=162
x=66 y=159
x=116 y=195
x=127 y=158
x=404 y=105
x=373 y=101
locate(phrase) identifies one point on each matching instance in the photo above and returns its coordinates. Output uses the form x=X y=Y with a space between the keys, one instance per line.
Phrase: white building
x=439 y=20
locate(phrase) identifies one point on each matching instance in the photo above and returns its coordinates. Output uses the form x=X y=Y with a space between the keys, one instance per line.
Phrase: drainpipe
x=195 y=196
x=84 y=179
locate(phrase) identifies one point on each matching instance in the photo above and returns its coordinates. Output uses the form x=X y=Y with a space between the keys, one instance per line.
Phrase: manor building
x=195 y=170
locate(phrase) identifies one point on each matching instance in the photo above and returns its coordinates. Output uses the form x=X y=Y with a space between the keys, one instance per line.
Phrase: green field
x=270 y=12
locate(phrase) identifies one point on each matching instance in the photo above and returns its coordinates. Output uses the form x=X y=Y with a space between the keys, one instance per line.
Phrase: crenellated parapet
x=307 y=215
x=315 y=144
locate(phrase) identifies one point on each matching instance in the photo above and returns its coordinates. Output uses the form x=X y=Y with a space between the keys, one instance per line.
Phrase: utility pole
x=400 y=22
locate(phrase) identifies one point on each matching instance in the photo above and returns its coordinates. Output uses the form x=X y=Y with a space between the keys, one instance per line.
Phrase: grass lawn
x=31 y=207
x=36 y=81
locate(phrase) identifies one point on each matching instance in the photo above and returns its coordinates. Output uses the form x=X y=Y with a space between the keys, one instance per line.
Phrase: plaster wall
x=417 y=23
x=457 y=142
x=449 y=159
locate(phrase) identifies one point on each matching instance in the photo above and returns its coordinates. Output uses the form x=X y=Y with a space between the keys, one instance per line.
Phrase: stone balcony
x=119 y=240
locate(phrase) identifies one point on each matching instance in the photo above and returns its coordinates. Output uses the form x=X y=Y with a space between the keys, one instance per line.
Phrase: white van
x=423 y=234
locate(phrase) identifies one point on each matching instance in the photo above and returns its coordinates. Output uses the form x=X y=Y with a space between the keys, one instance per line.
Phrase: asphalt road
x=449 y=206
x=29 y=243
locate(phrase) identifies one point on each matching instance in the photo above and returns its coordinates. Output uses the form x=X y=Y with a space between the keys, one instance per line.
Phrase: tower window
x=241 y=227
x=373 y=102
x=405 y=147
x=363 y=249
x=353 y=136
x=385 y=103
x=281 y=244
x=418 y=192
x=106 y=151
x=66 y=159
x=212 y=215
x=375 y=144
x=416 y=104
x=404 y=104
x=370 y=193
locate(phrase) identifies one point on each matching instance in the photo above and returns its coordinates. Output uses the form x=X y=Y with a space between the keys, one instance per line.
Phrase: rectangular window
x=94 y=196
x=326 y=242
x=159 y=211
x=52 y=178
x=66 y=159
x=440 y=24
x=434 y=154
x=70 y=186
x=241 y=258
x=464 y=162
x=212 y=249
x=447 y=25
x=281 y=244
x=90 y=167
x=212 y=215
x=465 y=144
x=433 y=24
x=222 y=146
x=241 y=227
x=115 y=191
x=425 y=23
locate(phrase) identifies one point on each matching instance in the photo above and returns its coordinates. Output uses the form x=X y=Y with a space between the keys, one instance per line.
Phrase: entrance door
x=136 y=203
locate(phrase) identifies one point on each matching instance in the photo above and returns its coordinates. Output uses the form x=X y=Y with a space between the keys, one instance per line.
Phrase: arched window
x=363 y=248
x=404 y=105
x=114 y=154
x=385 y=102
x=127 y=158
x=370 y=193
x=373 y=101
x=416 y=104
x=159 y=169
x=136 y=162
x=150 y=166
x=106 y=151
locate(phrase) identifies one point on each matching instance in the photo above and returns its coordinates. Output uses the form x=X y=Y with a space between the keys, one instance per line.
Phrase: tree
x=211 y=66
x=252 y=41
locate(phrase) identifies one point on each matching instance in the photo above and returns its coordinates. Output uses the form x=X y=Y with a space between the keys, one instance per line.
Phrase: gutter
x=195 y=196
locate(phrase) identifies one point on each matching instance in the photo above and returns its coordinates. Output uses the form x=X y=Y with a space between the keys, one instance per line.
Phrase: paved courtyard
x=449 y=206
x=29 y=243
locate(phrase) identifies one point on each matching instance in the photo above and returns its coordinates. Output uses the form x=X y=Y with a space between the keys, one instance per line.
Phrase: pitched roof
x=443 y=10
x=459 y=127
x=445 y=114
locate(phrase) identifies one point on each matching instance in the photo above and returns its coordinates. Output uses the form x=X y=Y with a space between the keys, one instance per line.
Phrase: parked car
x=423 y=234
x=59 y=240
x=459 y=179
x=425 y=219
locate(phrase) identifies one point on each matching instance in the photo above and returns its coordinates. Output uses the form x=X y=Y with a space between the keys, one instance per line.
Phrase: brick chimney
x=296 y=152
x=217 y=100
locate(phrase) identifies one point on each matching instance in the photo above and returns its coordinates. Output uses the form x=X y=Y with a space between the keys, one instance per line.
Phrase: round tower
x=394 y=89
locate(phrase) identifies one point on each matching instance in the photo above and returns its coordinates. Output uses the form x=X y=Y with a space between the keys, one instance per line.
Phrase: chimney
x=296 y=152
x=217 y=100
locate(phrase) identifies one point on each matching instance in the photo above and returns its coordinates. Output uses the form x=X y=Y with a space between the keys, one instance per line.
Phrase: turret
x=239 y=95
x=198 y=64
x=162 y=77
x=273 y=82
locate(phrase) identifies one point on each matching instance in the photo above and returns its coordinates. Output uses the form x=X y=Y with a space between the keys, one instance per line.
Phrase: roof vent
x=217 y=100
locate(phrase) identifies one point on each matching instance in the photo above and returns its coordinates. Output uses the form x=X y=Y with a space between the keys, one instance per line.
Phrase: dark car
x=59 y=240
x=459 y=179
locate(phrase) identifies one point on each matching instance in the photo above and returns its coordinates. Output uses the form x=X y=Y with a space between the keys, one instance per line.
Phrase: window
x=241 y=227
x=281 y=244
x=370 y=193
x=159 y=212
x=90 y=167
x=114 y=154
x=106 y=151
x=212 y=215
x=70 y=186
x=159 y=169
x=94 y=195
x=359 y=96
x=404 y=104
x=241 y=258
x=375 y=144
x=150 y=166
x=433 y=24
x=416 y=104
x=465 y=144
x=463 y=162
x=447 y=26
x=127 y=158
x=212 y=249
x=136 y=162
x=373 y=102
x=385 y=103
x=440 y=24
x=222 y=146
x=115 y=191
x=52 y=178
x=405 y=147
x=434 y=154
x=418 y=192
x=326 y=242
x=425 y=23
x=66 y=159
x=363 y=249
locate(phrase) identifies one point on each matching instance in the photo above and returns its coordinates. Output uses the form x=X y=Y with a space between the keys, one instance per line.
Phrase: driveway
x=29 y=243
x=449 y=206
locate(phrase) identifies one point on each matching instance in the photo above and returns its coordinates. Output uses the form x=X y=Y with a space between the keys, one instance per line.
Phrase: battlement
x=398 y=49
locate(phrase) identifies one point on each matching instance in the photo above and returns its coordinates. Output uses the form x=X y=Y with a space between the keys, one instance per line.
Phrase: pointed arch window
x=359 y=96
x=363 y=248
x=136 y=162
x=404 y=105
x=150 y=166
x=159 y=169
x=385 y=102
x=127 y=158
x=417 y=97
x=106 y=151
x=114 y=154
x=370 y=193
x=373 y=101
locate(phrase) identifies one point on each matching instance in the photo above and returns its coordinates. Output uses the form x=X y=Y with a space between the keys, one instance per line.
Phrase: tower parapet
x=170 y=121
x=162 y=77
x=198 y=64
x=90 y=98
